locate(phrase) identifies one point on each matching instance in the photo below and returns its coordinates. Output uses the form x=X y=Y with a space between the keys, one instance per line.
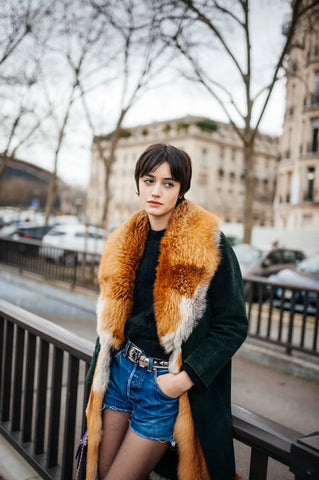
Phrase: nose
x=156 y=191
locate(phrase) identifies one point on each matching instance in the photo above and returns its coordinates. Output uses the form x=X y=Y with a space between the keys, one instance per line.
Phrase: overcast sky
x=176 y=99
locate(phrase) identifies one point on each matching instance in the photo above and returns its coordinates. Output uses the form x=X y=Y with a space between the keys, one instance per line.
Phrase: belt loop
x=127 y=346
x=150 y=364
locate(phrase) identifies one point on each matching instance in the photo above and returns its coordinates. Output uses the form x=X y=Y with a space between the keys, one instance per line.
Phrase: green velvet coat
x=208 y=351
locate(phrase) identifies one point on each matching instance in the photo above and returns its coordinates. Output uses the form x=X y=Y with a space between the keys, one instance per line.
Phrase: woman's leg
x=115 y=425
x=136 y=458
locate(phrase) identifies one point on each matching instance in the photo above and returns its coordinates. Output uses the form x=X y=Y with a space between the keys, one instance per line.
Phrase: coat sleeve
x=226 y=312
x=89 y=376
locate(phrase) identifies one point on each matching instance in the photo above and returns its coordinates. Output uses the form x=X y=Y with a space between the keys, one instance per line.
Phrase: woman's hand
x=174 y=385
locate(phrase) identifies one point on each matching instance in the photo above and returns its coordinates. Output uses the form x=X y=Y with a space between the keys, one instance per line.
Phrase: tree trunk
x=250 y=187
x=106 y=205
x=52 y=193
x=4 y=162
x=108 y=163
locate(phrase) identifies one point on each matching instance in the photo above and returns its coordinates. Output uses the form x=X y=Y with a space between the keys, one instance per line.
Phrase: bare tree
x=21 y=50
x=142 y=57
x=19 y=20
x=75 y=49
x=199 y=27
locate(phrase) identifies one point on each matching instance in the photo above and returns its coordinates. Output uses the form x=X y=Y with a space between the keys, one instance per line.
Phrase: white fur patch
x=100 y=306
x=101 y=376
x=172 y=364
x=191 y=311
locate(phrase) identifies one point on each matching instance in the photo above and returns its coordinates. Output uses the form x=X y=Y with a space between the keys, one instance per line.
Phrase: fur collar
x=188 y=259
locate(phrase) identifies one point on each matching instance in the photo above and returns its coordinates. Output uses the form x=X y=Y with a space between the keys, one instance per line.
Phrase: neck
x=158 y=224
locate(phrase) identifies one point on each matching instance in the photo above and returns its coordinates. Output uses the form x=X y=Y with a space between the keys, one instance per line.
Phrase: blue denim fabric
x=134 y=389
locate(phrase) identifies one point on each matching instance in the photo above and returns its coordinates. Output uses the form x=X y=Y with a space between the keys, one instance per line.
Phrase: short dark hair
x=178 y=160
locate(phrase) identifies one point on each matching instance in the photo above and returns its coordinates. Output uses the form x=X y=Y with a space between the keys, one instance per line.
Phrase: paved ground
x=273 y=393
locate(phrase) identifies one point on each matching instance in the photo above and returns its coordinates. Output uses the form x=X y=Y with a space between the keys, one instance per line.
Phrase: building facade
x=297 y=193
x=218 y=169
x=24 y=184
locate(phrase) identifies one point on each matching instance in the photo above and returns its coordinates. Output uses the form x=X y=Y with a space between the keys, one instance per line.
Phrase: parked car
x=256 y=262
x=25 y=230
x=72 y=241
x=305 y=274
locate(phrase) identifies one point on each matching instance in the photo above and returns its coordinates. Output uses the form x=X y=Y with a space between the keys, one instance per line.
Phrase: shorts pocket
x=158 y=388
x=117 y=353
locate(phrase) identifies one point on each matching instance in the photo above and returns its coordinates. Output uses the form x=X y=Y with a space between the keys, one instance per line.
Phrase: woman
x=171 y=314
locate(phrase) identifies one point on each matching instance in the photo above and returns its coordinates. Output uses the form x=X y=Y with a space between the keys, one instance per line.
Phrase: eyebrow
x=153 y=176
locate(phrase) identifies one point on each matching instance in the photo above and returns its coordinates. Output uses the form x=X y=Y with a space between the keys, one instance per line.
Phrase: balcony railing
x=42 y=403
x=312 y=101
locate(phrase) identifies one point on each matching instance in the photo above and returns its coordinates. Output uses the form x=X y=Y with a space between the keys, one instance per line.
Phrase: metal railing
x=43 y=390
x=42 y=403
x=77 y=268
x=286 y=315
x=283 y=314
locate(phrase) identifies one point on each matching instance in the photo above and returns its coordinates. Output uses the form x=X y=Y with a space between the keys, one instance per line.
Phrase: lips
x=154 y=204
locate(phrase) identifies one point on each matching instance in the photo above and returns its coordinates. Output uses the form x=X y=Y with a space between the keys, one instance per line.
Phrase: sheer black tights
x=124 y=455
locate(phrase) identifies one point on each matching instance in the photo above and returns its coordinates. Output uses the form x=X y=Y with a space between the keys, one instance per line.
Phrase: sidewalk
x=264 y=379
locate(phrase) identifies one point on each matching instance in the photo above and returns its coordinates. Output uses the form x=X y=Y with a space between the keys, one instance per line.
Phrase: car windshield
x=246 y=254
x=56 y=233
x=310 y=265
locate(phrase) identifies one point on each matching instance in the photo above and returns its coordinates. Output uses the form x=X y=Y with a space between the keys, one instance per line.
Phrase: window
x=315 y=99
x=275 y=258
x=309 y=193
x=291 y=256
x=315 y=130
x=317 y=83
x=204 y=157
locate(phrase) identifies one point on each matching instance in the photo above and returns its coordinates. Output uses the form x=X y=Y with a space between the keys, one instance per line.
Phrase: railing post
x=70 y=418
x=258 y=465
x=7 y=372
x=75 y=269
x=304 y=455
x=291 y=324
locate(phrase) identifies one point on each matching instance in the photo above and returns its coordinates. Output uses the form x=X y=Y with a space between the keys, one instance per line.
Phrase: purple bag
x=81 y=454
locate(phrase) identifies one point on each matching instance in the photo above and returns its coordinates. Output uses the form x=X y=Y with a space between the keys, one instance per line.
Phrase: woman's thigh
x=115 y=425
x=136 y=458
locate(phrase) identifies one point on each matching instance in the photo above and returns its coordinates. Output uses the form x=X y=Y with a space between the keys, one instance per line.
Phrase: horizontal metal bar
x=266 y=435
x=48 y=331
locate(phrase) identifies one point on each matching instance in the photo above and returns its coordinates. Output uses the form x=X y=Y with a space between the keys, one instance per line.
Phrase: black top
x=140 y=328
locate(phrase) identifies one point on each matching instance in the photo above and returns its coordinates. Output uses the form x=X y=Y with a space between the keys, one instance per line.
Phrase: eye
x=168 y=184
x=148 y=180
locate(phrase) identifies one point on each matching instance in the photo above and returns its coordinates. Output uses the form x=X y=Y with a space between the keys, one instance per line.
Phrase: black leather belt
x=137 y=355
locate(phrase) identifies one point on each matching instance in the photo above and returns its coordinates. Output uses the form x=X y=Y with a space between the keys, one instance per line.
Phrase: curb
x=271 y=356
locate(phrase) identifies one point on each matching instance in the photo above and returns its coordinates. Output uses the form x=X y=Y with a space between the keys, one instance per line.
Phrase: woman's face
x=159 y=194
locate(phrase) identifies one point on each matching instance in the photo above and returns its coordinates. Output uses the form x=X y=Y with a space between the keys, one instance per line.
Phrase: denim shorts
x=134 y=389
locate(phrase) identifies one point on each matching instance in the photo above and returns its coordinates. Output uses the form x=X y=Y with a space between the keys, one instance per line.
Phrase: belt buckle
x=134 y=355
x=143 y=361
